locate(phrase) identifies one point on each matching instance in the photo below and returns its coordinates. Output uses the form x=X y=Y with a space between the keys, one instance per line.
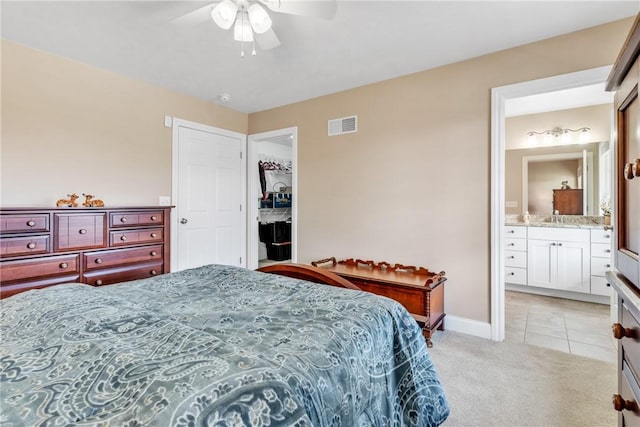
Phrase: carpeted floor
x=513 y=384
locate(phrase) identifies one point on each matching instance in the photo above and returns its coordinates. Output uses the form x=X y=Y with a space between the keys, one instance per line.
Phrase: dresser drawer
x=630 y=394
x=104 y=259
x=123 y=274
x=601 y=250
x=18 y=246
x=599 y=266
x=517 y=276
x=12 y=288
x=34 y=267
x=600 y=286
x=601 y=236
x=132 y=237
x=515 y=244
x=24 y=223
x=132 y=219
x=557 y=233
x=517 y=232
x=515 y=259
x=79 y=231
x=631 y=345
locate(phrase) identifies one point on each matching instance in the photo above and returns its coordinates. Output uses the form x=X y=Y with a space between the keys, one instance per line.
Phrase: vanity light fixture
x=558 y=132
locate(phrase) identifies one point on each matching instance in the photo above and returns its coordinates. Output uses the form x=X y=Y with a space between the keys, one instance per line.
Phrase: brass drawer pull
x=123 y=238
x=153 y=272
x=123 y=219
x=82 y=231
x=154 y=235
x=153 y=253
x=619 y=404
x=98 y=261
x=98 y=282
x=64 y=265
x=31 y=245
x=154 y=218
x=620 y=331
x=31 y=223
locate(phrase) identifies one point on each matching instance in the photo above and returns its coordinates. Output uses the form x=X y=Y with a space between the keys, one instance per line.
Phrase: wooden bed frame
x=309 y=273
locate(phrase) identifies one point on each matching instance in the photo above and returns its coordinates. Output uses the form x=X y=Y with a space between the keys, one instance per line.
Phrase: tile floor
x=574 y=327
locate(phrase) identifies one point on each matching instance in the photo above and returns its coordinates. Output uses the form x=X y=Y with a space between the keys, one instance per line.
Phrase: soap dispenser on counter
x=526 y=217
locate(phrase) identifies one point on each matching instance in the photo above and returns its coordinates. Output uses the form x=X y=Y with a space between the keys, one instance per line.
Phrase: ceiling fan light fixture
x=224 y=14
x=242 y=31
x=259 y=19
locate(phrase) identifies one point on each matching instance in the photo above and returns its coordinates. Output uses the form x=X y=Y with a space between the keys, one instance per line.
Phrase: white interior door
x=210 y=191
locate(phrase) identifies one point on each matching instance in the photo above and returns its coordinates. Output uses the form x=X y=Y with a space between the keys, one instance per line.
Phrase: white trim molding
x=468 y=326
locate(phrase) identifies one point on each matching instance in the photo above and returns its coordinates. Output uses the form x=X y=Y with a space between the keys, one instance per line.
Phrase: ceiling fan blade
x=267 y=40
x=196 y=17
x=325 y=9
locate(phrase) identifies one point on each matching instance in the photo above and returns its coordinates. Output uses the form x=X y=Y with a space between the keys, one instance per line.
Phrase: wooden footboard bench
x=419 y=290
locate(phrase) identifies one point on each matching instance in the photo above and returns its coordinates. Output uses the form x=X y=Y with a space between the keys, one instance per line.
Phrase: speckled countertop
x=563 y=221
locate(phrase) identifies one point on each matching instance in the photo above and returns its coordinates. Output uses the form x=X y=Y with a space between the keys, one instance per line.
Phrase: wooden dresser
x=41 y=247
x=568 y=202
x=625 y=279
x=419 y=290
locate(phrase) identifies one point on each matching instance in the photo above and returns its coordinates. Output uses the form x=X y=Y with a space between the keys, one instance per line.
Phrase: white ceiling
x=583 y=96
x=367 y=41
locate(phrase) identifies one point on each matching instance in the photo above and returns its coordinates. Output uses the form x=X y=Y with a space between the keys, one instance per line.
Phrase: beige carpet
x=514 y=384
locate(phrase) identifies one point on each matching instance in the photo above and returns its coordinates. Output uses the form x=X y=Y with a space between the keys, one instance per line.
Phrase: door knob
x=183 y=220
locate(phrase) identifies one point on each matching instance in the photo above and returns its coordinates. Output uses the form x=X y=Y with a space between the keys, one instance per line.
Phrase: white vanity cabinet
x=559 y=258
x=515 y=255
x=601 y=261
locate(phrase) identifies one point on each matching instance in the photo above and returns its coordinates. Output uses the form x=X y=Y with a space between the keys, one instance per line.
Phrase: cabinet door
x=628 y=179
x=541 y=260
x=573 y=266
x=79 y=231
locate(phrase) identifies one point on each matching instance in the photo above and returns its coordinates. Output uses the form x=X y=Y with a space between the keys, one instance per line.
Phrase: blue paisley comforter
x=213 y=346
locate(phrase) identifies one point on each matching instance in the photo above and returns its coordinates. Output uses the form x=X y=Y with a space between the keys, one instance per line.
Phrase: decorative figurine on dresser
x=625 y=278
x=40 y=247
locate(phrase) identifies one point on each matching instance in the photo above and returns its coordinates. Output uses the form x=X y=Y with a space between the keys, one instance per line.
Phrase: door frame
x=499 y=95
x=176 y=125
x=252 y=189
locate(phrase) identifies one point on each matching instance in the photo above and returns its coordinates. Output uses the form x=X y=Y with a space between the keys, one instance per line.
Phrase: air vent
x=343 y=125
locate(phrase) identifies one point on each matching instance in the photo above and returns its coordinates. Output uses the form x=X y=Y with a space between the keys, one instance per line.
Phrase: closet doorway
x=272 y=197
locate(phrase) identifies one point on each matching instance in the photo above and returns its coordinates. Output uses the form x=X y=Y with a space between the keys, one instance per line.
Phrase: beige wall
x=69 y=127
x=597 y=118
x=544 y=178
x=413 y=184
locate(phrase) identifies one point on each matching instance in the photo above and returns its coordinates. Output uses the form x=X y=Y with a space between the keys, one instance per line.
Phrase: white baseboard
x=467 y=326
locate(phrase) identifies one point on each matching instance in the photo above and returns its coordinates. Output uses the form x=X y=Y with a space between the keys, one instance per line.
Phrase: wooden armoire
x=625 y=277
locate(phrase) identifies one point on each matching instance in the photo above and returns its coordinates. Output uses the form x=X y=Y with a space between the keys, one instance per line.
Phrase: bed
x=215 y=346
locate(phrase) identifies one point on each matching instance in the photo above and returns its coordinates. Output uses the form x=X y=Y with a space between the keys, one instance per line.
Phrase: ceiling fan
x=251 y=22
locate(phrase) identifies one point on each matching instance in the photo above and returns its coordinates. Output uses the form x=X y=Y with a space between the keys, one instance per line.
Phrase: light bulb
x=242 y=31
x=531 y=140
x=566 y=137
x=548 y=138
x=259 y=19
x=584 y=136
x=224 y=14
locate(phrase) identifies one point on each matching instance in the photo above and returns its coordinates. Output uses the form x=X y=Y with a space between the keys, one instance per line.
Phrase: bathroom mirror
x=531 y=175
